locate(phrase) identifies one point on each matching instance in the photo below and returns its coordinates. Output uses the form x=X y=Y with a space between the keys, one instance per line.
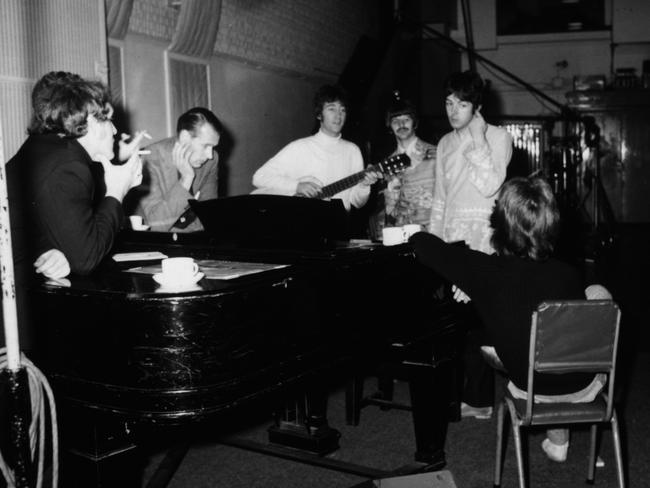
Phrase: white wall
x=261 y=108
x=269 y=59
x=536 y=63
x=144 y=79
x=533 y=57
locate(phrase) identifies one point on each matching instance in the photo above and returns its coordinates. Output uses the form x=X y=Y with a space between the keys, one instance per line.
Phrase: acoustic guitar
x=388 y=167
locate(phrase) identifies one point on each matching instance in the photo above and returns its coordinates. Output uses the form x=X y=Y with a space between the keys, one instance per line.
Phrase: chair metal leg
x=616 y=437
x=498 y=462
x=516 y=430
x=592 y=454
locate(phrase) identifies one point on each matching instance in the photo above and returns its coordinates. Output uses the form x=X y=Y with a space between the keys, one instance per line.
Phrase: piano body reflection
x=123 y=353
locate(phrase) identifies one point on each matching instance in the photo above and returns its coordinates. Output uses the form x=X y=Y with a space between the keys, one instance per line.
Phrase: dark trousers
x=478 y=381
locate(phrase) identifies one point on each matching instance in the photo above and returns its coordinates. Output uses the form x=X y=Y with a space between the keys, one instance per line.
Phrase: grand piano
x=127 y=357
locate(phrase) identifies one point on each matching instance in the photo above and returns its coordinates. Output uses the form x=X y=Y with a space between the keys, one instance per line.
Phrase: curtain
x=118 y=13
x=196 y=28
x=115 y=75
x=189 y=86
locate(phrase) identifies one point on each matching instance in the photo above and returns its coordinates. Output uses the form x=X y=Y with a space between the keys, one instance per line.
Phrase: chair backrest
x=574 y=336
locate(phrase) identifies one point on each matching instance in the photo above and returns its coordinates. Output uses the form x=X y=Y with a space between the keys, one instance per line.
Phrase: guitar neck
x=343 y=184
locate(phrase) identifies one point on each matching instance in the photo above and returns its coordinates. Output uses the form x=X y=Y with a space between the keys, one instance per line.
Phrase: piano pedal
x=321 y=443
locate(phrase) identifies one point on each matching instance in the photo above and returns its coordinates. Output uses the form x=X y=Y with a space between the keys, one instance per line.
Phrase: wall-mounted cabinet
x=515 y=17
x=630 y=21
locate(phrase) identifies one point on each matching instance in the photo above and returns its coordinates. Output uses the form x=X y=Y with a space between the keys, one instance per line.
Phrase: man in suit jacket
x=64 y=194
x=178 y=169
x=59 y=198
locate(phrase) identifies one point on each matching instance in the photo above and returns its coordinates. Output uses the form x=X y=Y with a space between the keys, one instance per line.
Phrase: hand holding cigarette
x=127 y=149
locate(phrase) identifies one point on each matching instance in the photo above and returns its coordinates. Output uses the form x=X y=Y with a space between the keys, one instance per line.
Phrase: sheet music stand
x=273 y=221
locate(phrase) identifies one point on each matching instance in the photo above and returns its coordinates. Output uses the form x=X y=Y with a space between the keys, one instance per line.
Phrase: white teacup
x=136 y=221
x=410 y=229
x=393 y=236
x=179 y=269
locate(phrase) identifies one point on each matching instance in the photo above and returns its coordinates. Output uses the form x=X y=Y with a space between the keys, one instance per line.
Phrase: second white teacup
x=410 y=229
x=136 y=221
x=179 y=269
x=393 y=236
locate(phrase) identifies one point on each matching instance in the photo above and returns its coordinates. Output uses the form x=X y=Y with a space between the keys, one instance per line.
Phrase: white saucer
x=174 y=284
x=141 y=227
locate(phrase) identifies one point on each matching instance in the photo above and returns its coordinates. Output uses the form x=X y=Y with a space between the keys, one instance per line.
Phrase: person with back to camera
x=53 y=263
x=506 y=287
x=60 y=198
x=64 y=194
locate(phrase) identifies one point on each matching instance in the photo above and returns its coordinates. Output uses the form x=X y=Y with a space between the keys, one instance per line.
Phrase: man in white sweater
x=305 y=166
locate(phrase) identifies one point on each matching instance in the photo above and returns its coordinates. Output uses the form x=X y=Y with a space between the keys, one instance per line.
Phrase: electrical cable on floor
x=40 y=394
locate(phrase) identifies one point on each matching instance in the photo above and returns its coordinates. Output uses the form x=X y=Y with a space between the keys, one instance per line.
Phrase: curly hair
x=526 y=219
x=63 y=103
x=468 y=86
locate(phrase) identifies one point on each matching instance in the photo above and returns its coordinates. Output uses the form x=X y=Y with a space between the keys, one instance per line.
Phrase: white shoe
x=476 y=412
x=555 y=452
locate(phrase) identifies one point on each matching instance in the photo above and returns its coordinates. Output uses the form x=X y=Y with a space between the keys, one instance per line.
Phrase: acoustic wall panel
x=38 y=36
x=14 y=98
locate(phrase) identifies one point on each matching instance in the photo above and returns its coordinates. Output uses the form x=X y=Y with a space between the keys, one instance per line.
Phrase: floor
x=384 y=440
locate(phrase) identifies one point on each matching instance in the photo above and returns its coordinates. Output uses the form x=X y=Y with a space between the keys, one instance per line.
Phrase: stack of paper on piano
x=138 y=256
x=215 y=269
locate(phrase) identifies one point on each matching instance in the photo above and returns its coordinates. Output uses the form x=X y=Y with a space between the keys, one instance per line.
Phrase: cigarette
x=146 y=134
x=143 y=152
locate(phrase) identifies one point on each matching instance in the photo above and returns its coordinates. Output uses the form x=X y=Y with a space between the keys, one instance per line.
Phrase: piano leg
x=97 y=451
x=431 y=394
x=302 y=424
x=354 y=400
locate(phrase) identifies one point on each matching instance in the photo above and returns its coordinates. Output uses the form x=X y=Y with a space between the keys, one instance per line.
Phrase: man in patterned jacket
x=471 y=167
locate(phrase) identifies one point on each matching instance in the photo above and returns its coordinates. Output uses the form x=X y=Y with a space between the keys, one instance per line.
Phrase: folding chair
x=565 y=337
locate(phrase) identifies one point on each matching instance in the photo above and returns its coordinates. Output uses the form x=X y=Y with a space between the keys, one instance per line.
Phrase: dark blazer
x=57 y=201
x=505 y=290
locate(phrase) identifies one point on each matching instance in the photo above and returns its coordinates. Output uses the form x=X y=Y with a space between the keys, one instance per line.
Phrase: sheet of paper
x=138 y=256
x=217 y=269
x=354 y=243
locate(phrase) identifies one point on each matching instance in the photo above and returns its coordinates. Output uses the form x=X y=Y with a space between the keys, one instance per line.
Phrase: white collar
x=327 y=139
